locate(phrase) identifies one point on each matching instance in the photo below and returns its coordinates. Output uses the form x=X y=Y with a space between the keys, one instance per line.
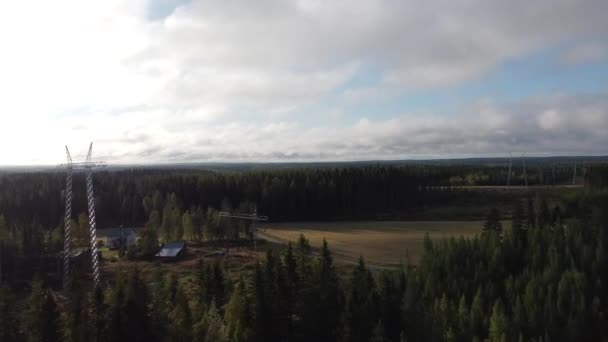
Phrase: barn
x=172 y=251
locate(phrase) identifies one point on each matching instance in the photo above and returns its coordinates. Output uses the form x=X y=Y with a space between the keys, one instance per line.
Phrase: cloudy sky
x=291 y=80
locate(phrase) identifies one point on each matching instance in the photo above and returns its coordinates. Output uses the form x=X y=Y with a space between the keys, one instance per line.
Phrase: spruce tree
x=493 y=222
x=517 y=222
x=361 y=309
x=180 y=318
x=98 y=324
x=9 y=323
x=498 y=323
x=330 y=300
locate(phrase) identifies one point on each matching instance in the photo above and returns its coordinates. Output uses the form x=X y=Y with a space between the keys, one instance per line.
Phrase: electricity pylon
x=510 y=169
x=251 y=217
x=523 y=160
x=88 y=165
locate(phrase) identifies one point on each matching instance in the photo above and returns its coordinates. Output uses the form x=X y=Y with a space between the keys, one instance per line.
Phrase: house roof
x=171 y=249
x=115 y=232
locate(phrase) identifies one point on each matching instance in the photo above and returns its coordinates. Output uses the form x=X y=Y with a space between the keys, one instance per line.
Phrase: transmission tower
x=523 y=160
x=510 y=169
x=251 y=217
x=88 y=165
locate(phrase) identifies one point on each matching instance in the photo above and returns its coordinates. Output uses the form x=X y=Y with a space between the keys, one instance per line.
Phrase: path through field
x=381 y=243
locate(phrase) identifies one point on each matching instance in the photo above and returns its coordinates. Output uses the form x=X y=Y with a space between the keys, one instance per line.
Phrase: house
x=115 y=238
x=172 y=250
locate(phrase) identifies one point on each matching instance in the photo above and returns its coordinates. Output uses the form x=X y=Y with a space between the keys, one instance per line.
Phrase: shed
x=172 y=250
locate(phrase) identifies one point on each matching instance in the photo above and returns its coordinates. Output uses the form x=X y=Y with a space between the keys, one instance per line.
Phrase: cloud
x=271 y=79
x=553 y=125
x=585 y=53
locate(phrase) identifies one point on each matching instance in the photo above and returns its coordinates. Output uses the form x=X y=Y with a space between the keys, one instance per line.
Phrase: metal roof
x=171 y=249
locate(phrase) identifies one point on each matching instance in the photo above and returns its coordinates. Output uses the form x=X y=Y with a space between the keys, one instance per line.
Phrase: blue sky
x=296 y=80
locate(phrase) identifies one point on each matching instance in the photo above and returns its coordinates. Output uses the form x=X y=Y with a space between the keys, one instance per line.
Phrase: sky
x=161 y=81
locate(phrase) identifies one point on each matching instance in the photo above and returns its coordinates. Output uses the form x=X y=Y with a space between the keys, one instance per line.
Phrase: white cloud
x=222 y=78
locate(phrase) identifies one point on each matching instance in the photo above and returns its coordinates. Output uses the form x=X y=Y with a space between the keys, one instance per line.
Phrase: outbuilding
x=172 y=251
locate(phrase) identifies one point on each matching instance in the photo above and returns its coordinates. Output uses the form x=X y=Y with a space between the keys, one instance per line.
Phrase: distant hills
x=249 y=166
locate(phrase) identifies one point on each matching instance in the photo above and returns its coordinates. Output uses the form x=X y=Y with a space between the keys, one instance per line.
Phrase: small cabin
x=115 y=238
x=172 y=251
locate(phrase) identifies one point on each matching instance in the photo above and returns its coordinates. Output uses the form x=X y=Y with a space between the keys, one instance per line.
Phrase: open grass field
x=384 y=243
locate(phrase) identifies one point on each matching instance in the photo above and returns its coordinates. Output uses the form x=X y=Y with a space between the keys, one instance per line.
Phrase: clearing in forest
x=381 y=243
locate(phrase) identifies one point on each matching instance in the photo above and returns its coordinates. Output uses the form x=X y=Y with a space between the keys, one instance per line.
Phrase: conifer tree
x=9 y=324
x=238 y=314
x=498 y=323
x=330 y=300
x=76 y=317
x=188 y=226
x=180 y=318
x=98 y=323
x=493 y=222
x=517 y=222
x=530 y=214
x=361 y=310
x=291 y=288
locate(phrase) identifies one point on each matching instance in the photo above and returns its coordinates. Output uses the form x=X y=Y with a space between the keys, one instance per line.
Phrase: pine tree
x=42 y=318
x=9 y=324
x=136 y=308
x=50 y=324
x=188 y=226
x=219 y=285
x=180 y=318
x=544 y=215
x=361 y=310
x=462 y=320
x=291 y=291
x=517 y=222
x=329 y=300
x=530 y=214
x=98 y=323
x=493 y=222
x=498 y=323
x=478 y=315
x=154 y=221
x=76 y=318
x=390 y=306
x=148 y=243
x=211 y=327
x=238 y=314
x=263 y=309
x=378 y=334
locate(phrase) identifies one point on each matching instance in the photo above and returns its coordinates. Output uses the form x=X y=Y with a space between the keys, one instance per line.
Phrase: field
x=383 y=243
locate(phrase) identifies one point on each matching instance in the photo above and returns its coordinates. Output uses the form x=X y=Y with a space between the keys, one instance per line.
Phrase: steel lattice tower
x=88 y=165
x=67 y=234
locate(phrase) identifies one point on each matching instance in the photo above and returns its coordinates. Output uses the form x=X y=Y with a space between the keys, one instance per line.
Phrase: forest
x=129 y=197
x=537 y=274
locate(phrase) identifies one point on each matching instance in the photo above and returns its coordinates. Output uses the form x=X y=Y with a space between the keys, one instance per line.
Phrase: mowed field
x=383 y=243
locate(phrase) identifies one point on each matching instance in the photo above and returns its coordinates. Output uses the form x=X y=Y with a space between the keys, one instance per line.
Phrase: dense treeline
x=130 y=197
x=543 y=279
